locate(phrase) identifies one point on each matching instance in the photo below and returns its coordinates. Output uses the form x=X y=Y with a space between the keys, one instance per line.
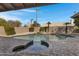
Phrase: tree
x=48 y=23
x=35 y=24
x=31 y=21
x=76 y=22
x=25 y=25
x=18 y=23
x=2 y=22
x=11 y=23
x=14 y=23
x=66 y=28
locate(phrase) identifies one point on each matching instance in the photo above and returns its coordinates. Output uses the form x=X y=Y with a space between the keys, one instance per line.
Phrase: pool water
x=34 y=37
x=39 y=37
x=37 y=47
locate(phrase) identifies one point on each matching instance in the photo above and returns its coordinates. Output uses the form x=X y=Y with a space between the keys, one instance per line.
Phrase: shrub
x=8 y=27
x=9 y=30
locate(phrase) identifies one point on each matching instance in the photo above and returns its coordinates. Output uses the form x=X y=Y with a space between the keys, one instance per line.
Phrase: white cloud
x=11 y=13
x=7 y=17
x=27 y=10
x=17 y=12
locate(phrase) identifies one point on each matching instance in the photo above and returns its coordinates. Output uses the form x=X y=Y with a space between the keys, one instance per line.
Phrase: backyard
x=39 y=29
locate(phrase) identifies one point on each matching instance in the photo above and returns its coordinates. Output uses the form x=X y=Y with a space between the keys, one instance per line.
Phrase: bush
x=8 y=27
x=9 y=30
x=76 y=31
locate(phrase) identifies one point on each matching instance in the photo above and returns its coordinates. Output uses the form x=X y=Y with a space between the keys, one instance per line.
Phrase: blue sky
x=53 y=13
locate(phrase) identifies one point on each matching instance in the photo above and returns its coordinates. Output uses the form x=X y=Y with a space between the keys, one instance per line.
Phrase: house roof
x=56 y=24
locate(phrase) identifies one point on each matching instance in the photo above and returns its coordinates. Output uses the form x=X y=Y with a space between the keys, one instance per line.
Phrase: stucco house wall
x=60 y=29
x=20 y=30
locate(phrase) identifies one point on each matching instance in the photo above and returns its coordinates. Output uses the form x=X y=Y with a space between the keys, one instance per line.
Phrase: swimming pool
x=45 y=37
x=40 y=41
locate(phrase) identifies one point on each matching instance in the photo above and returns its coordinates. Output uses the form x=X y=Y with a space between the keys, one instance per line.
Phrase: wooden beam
x=13 y=6
x=18 y=5
x=2 y=8
x=8 y=6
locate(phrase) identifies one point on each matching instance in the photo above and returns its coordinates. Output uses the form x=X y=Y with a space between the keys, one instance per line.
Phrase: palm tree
x=35 y=24
x=48 y=23
x=31 y=21
x=66 y=28
x=25 y=25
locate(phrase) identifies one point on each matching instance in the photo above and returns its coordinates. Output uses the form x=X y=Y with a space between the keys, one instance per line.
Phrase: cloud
x=7 y=17
x=18 y=12
x=11 y=13
x=27 y=10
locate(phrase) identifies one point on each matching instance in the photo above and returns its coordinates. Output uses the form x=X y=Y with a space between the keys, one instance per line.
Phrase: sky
x=54 y=13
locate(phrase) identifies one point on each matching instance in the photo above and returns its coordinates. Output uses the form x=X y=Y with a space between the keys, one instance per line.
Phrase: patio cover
x=16 y=6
